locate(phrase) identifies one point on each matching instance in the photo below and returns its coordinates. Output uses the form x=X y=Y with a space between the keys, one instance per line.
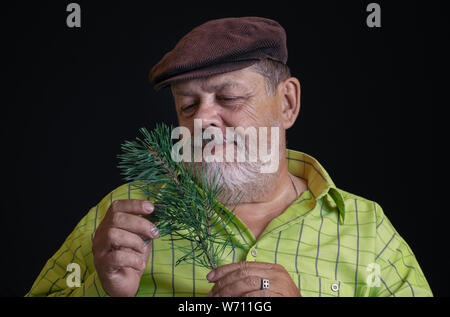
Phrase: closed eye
x=227 y=98
x=188 y=107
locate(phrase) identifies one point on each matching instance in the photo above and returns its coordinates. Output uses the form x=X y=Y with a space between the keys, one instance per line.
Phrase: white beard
x=242 y=179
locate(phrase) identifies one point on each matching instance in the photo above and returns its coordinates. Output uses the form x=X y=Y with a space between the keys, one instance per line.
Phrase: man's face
x=234 y=99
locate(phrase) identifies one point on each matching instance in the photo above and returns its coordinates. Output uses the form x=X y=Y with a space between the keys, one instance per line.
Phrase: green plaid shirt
x=331 y=242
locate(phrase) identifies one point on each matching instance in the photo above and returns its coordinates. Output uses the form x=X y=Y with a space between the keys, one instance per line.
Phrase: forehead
x=241 y=80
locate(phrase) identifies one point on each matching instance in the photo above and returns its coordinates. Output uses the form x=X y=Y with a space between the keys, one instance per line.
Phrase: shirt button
x=254 y=253
x=334 y=287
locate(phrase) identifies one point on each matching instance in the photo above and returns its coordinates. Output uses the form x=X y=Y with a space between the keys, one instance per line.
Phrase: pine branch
x=171 y=172
x=184 y=208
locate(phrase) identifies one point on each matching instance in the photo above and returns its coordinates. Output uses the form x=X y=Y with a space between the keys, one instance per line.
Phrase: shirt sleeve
x=70 y=271
x=399 y=273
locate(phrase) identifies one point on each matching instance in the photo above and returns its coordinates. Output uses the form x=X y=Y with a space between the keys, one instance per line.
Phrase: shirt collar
x=319 y=182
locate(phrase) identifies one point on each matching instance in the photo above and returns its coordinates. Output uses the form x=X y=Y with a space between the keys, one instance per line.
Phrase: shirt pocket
x=316 y=286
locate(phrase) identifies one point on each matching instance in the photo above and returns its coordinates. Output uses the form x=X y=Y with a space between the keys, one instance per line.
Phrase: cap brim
x=206 y=72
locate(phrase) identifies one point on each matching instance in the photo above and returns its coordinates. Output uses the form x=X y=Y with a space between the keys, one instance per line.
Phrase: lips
x=215 y=141
x=215 y=145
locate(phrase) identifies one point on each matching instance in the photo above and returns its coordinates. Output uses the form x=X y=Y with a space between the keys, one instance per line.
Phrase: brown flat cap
x=221 y=46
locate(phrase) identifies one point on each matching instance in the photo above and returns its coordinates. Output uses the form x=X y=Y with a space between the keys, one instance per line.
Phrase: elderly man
x=301 y=235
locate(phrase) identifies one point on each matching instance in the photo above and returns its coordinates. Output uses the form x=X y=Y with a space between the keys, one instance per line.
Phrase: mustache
x=236 y=140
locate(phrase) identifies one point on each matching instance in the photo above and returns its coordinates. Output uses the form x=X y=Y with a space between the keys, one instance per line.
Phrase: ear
x=289 y=91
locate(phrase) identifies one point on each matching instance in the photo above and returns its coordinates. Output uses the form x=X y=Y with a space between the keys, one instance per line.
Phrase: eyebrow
x=225 y=85
x=217 y=87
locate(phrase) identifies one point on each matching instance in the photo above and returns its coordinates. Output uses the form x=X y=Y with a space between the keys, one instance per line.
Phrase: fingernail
x=154 y=231
x=148 y=206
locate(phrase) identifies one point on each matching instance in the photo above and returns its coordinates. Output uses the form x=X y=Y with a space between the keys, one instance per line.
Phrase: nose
x=208 y=112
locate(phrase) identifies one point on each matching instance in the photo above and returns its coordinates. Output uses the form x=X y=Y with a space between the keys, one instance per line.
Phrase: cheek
x=274 y=112
x=246 y=117
x=189 y=124
x=266 y=114
x=249 y=116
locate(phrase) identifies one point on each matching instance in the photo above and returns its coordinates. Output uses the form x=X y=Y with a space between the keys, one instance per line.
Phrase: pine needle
x=184 y=209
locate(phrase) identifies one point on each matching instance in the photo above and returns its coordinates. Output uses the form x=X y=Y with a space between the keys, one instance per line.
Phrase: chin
x=239 y=179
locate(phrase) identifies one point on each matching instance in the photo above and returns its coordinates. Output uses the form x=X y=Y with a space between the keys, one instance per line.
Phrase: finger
x=223 y=270
x=237 y=288
x=261 y=293
x=135 y=224
x=119 y=238
x=132 y=206
x=243 y=280
x=123 y=258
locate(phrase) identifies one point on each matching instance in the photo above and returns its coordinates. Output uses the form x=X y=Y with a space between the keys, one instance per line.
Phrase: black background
x=72 y=96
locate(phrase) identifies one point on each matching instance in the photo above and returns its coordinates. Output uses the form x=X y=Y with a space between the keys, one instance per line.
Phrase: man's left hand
x=244 y=279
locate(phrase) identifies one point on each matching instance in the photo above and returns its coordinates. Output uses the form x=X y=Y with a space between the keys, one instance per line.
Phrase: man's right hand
x=120 y=252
